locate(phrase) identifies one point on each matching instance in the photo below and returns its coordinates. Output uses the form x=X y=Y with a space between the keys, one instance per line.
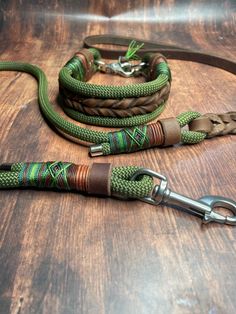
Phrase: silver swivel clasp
x=203 y=207
x=123 y=67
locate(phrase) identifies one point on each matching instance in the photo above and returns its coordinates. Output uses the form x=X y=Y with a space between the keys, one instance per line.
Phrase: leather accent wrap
x=202 y=124
x=99 y=179
x=87 y=60
x=171 y=130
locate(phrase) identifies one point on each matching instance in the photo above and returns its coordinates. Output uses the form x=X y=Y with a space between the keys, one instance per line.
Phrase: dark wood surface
x=67 y=253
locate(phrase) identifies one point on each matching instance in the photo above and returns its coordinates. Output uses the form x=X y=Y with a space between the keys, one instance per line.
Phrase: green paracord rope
x=62 y=176
x=125 y=182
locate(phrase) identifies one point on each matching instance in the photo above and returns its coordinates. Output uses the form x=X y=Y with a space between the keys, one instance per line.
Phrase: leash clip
x=122 y=67
x=203 y=207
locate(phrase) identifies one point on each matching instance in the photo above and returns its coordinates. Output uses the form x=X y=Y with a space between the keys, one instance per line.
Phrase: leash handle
x=169 y=51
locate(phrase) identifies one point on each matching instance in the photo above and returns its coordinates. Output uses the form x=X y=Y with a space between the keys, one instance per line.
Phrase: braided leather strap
x=126 y=107
x=215 y=124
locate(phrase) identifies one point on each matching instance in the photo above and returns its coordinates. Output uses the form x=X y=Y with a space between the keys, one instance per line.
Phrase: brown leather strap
x=99 y=179
x=214 y=124
x=170 y=52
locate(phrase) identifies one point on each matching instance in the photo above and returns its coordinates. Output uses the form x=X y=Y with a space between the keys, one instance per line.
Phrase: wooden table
x=67 y=253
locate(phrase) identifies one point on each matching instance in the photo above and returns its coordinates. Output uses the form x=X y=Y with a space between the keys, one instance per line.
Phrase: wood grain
x=67 y=253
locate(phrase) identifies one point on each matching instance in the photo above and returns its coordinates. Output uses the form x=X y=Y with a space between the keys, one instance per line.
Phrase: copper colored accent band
x=201 y=124
x=155 y=134
x=99 y=179
x=81 y=177
x=171 y=130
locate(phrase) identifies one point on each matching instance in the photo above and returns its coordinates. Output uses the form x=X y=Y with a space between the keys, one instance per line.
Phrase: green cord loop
x=190 y=137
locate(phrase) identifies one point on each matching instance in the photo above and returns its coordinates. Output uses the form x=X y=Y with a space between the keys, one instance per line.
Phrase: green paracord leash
x=103 y=179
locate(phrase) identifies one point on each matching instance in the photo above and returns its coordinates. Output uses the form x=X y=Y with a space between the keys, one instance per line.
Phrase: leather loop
x=99 y=179
x=171 y=130
x=202 y=124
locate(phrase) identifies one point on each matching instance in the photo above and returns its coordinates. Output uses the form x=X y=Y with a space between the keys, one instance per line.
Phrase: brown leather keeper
x=99 y=179
x=87 y=59
x=171 y=130
x=202 y=124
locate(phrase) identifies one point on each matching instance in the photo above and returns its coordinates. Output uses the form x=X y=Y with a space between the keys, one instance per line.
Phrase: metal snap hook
x=204 y=207
x=122 y=68
x=219 y=201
